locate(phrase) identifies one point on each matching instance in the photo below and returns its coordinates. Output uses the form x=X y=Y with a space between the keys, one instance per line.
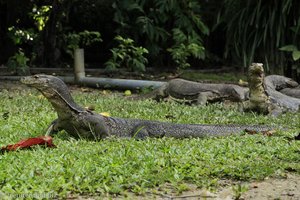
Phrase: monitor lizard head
x=54 y=89
x=255 y=75
x=256 y=69
x=46 y=84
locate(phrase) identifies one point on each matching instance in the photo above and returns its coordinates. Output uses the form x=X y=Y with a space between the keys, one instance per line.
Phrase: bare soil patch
x=286 y=188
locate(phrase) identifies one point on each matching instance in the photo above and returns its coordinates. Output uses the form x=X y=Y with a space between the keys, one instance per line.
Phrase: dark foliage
x=176 y=33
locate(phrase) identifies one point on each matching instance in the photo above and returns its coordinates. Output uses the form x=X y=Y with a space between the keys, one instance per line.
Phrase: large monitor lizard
x=259 y=100
x=264 y=96
x=82 y=123
x=272 y=94
x=186 y=91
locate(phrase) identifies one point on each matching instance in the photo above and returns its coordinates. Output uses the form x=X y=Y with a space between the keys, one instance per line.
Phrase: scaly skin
x=292 y=92
x=81 y=123
x=258 y=98
x=264 y=95
x=199 y=93
x=283 y=92
x=72 y=118
x=277 y=82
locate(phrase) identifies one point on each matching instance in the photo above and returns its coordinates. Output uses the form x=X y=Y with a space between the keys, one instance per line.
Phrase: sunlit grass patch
x=119 y=165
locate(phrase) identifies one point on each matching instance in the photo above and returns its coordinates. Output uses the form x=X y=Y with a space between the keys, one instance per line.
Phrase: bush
x=127 y=55
x=153 y=24
x=255 y=30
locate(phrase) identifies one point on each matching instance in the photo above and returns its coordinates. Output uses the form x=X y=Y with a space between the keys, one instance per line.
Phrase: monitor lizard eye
x=36 y=76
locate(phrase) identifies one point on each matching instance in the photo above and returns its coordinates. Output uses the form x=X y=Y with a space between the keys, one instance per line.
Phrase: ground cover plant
x=117 y=166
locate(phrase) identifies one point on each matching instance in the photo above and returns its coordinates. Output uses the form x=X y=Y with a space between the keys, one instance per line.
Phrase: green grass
x=213 y=77
x=117 y=166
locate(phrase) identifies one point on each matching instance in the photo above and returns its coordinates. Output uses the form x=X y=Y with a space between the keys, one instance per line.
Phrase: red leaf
x=26 y=143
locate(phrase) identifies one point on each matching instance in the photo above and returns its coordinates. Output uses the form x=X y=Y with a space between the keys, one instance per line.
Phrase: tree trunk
x=50 y=51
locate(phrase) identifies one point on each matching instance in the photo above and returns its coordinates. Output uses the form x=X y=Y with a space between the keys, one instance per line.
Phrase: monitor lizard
x=82 y=123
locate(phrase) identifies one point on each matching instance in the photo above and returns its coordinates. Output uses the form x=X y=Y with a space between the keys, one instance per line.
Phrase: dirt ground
x=287 y=188
x=270 y=189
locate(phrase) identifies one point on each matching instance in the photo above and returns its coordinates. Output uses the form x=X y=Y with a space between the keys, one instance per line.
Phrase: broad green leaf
x=290 y=47
x=296 y=55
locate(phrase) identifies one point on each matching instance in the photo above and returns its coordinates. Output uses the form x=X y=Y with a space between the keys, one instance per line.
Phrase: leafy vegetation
x=152 y=24
x=80 y=40
x=118 y=166
x=293 y=49
x=177 y=34
x=239 y=190
x=185 y=47
x=255 y=31
x=160 y=25
x=40 y=15
x=127 y=55
x=18 y=63
x=19 y=36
